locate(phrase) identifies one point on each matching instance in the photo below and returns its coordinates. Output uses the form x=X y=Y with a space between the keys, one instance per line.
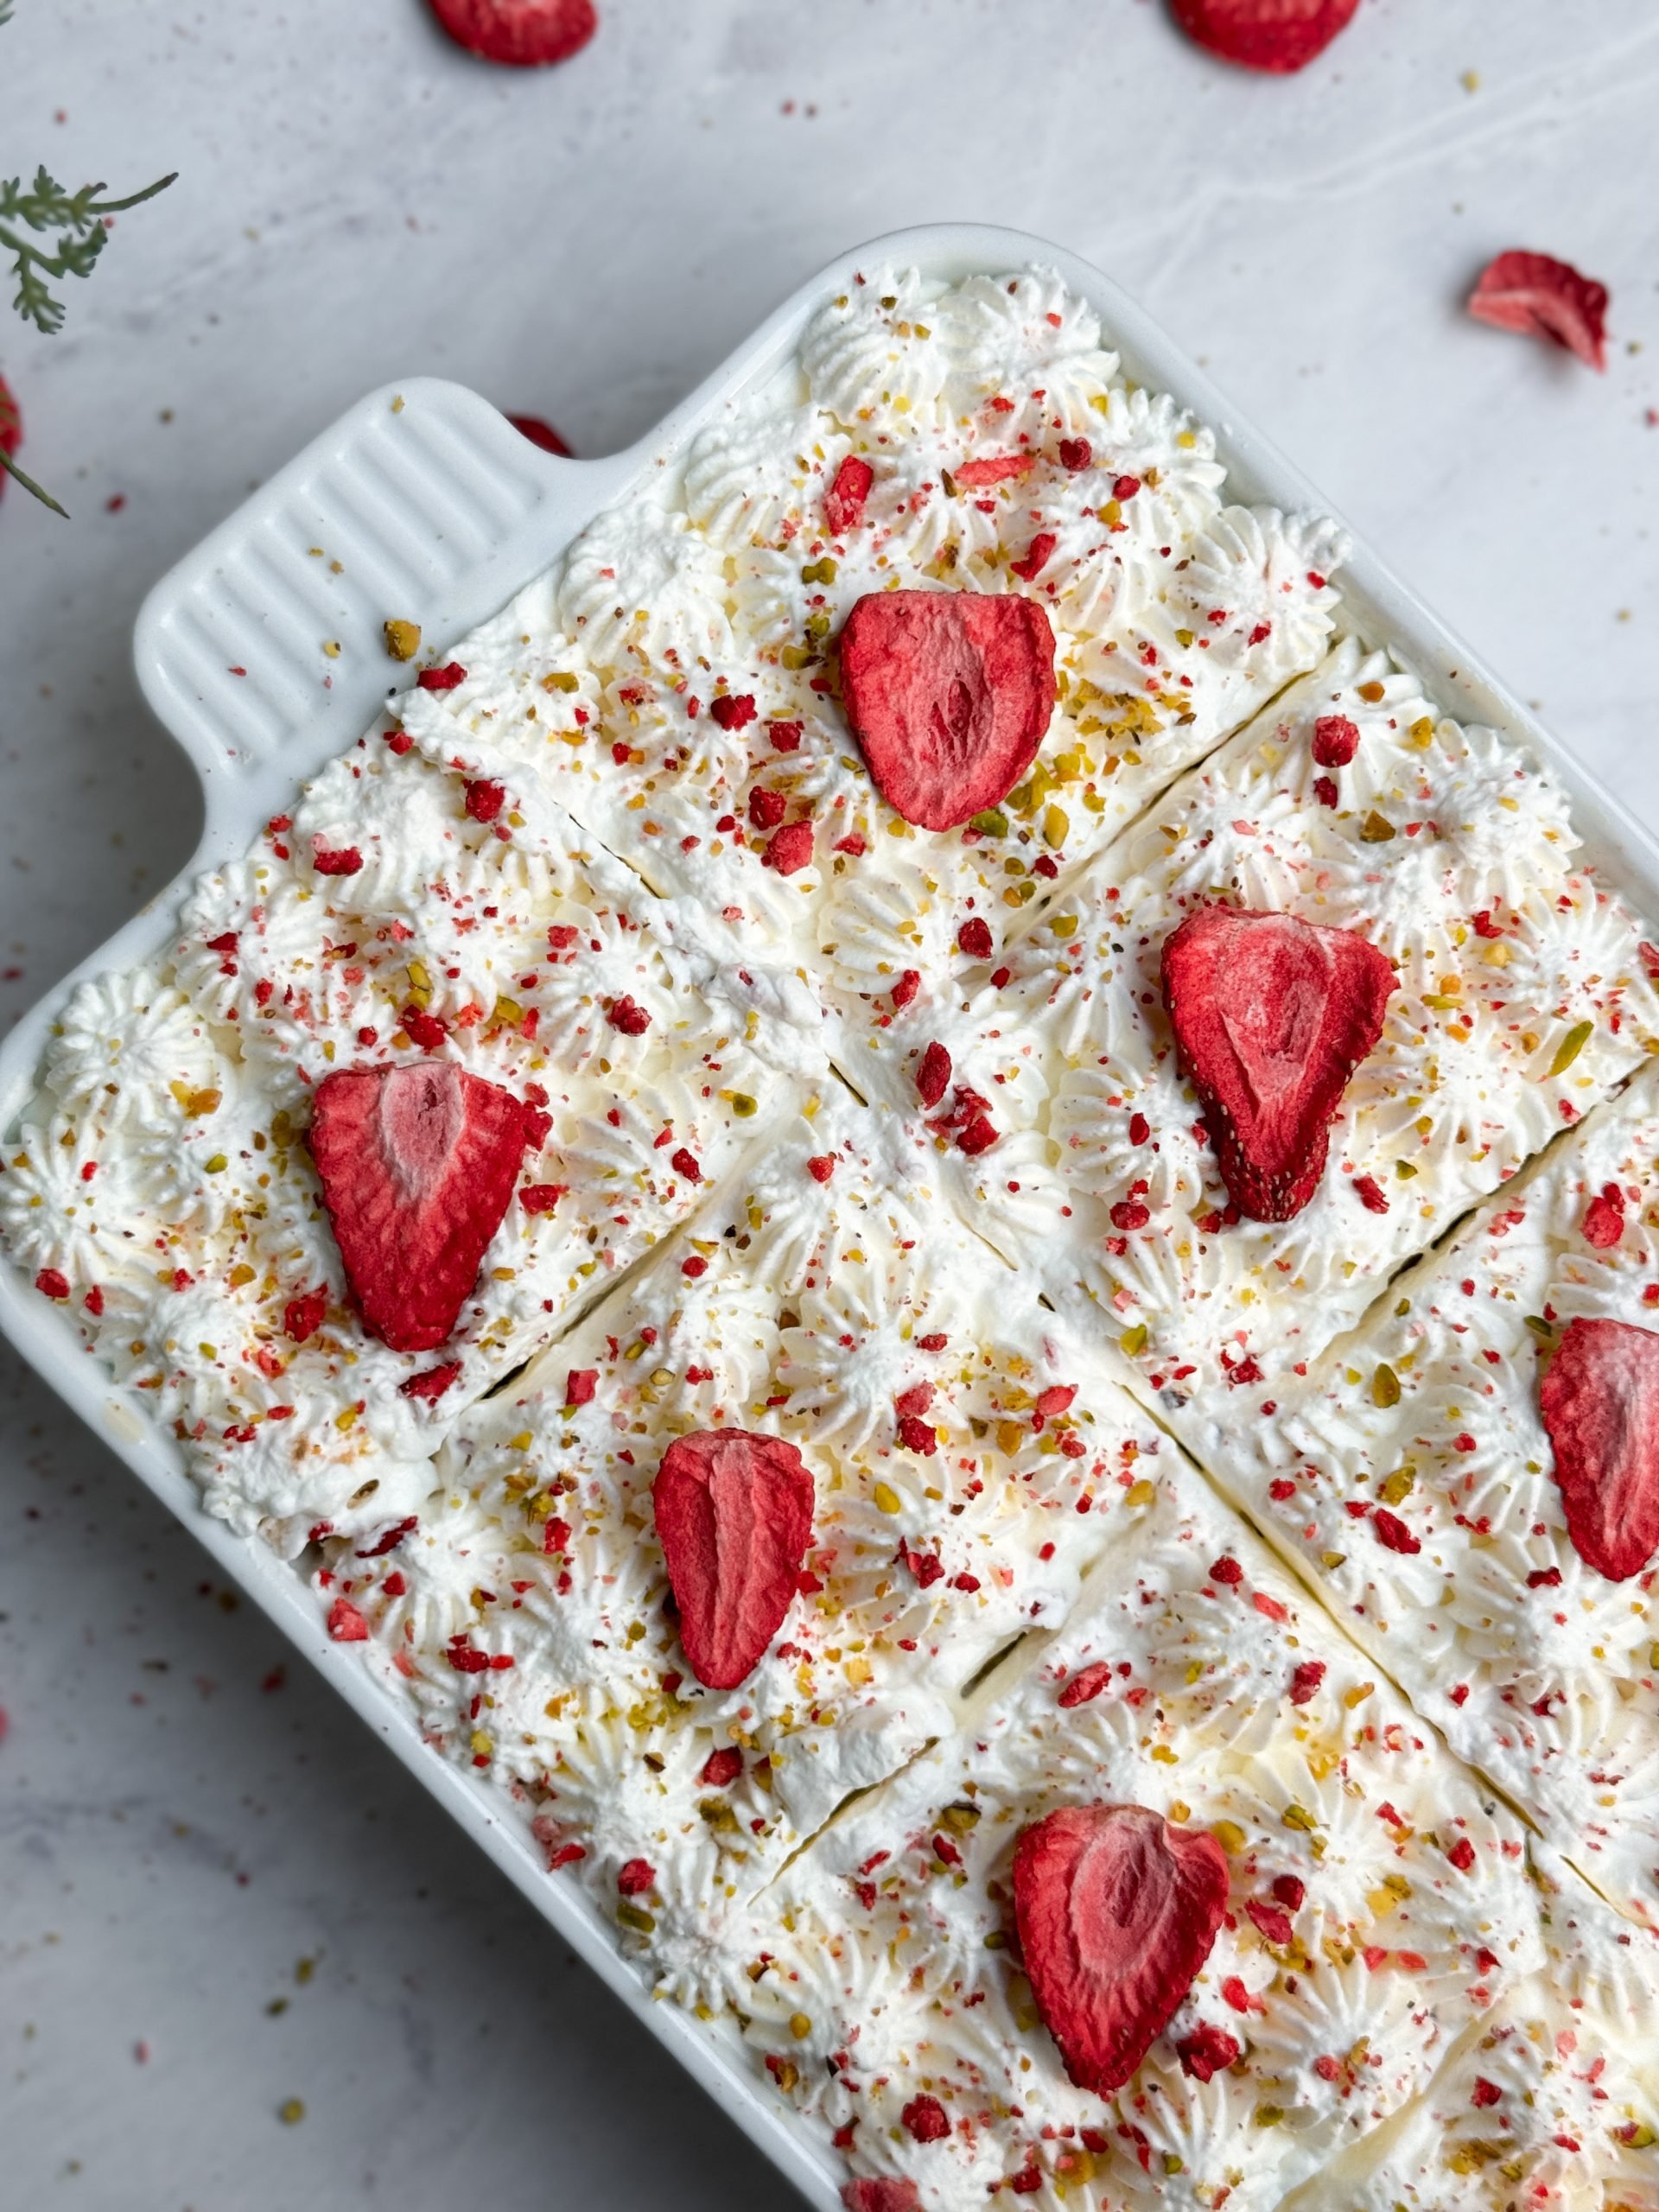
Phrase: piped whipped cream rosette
x=681 y=674
x=733 y=1548
x=1188 y=1903
x=1341 y=979
x=1471 y=1481
x=1552 y=2099
x=538 y=1071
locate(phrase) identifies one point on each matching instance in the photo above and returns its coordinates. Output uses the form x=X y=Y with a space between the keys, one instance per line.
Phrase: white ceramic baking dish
x=422 y=502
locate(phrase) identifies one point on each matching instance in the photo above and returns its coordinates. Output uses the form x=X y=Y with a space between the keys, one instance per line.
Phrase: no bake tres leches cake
x=777 y=1500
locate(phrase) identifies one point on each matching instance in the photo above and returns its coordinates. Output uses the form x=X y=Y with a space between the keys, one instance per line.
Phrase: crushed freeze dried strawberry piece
x=540 y=433
x=1325 y=790
x=1485 y=2091
x=1277 y=37
x=1305 y=1680
x=521 y=33
x=949 y=695
x=735 y=1518
x=1076 y=455
x=388 y=1539
x=51 y=1283
x=685 y=1163
x=1462 y=1854
x=1290 y=1890
x=933 y=1076
x=626 y=1014
x=722 y=1768
x=303 y=1316
x=542 y=1198
x=916 y=1399
x=93 y=1302
x=417 y=1165
x=634 y=1876
x=1604 y=1219
x=843 y=503
x=924 y=1567
x=1129 y=1213
x=821 y=1167
x=904 y=991
x=1272 y=1921
x=785 y=736
x=1207 y=2051
x=790 y=849
x=426 y=1030
x=979 y=1135
x=918 y=1435
x=1271 y=1016
x=1392 y=1532
x=1544 y=298
x=11 y=425
x=1335 y=740
x=1600 y=1404
x=441 y=679
x=484 y=800
x=881 y=2193
x=346 y=1623
x=1117 y=1913
x=733 y=713
x=345 y=860
x=1086 y=1684
x=766 y=809
x=1227 y=1571
x=925 y=2119
x=974 y=938
x=429 y=1386
x=1371 y=1194
x=1037 y=557
x=580 y=1385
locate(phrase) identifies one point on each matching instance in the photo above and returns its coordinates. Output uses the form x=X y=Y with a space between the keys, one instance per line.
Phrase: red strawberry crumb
x=949 y=695
x=979 y=1136
x=441 y=679
x=916 y=1399
x=905 y=990
x=1305 y=1677
x=1125 y=488
x=1604 y=1219
x=790 y=849
x=1207 y=2051
x=925 y=1567
x=1544 y=298
x=933 y=1076
x=1129 y=1213
x=1462 y=1854
x=766 y=809
x=1485 y=2091
x=925 y=2119
x=1371 y=1194
x=626 y=1014
x=346 y=859
x=1057 y=1399
x=556 y=1536
x=51 y=1283
x=400 y=741
x=1026 y=2182
x=346 y=1623
x=843 y=503
x=1076 y=455
x=1037 y=555
x=821 y=1167
x=430 y=1386
x=1139 y=1129
x=634 y=1876
x=733 y=713
x=918 y=1436
x=93 y=1302
x=936 y=1340
x=974 y=938
x=694 y=1267
x=426 y=1030
x=540 y=433
x=996 y=468
x=580 y=1385
x=1277 y=37
x=1272 y=1921
x=1335 y=740
x=388 y=1540
x=542 y=1198
x=722 y=1768
x=1326 y=792
x=1392 y=1532
x=1086 y=1684
x=685 y=1163
x=303 y=1316
x=484 y=800
x=1290 y=1890
x=785 y=736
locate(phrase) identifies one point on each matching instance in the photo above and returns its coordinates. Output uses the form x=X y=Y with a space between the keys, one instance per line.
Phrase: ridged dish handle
x=264 y=651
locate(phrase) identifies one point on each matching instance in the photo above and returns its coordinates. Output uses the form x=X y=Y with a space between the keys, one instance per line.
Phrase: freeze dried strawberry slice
x=1271 y=1016
x=418 y=1165
x=1600 y=1405
x=540 y=434
x=1278 y=36
x=950 y=694
x=881 y=2193
x=843 y=503
x=523 y=33
x=1542 y=298
x=735 y=1518
x=1117 y=1912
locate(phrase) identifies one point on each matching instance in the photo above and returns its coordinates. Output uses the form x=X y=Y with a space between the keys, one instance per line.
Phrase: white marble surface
x=358 y=202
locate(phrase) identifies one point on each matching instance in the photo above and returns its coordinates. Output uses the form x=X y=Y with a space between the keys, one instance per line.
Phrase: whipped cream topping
x=677 y=675
x=1411 y=1475
x=161 y=1172
x=1525 y=992
x=1553 y=2100
x=968 y=1466
x=1217 y=1693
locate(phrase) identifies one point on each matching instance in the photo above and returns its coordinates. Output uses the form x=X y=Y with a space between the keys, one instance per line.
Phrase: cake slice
x=1342 y=982
x=1443 y=1476
x=1191 y=1901
x=613 y=1605
x=416 y=1077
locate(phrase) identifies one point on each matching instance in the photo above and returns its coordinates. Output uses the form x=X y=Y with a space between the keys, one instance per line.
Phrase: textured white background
x=179 y=1828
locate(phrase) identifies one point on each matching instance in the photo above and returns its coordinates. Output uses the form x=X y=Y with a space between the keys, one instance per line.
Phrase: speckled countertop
x=217 y=1894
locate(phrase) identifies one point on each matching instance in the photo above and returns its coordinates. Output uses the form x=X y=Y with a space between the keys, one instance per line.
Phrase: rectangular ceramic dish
x=423 y=502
